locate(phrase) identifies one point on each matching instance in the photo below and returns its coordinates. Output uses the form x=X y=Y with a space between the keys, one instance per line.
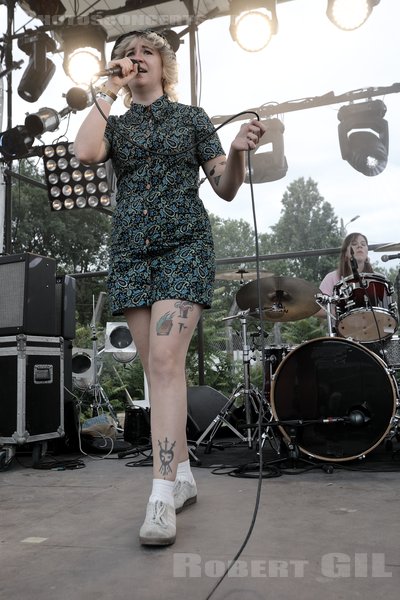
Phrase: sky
x=308 y=57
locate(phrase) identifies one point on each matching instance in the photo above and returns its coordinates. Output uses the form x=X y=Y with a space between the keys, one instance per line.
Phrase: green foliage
x=300 y=331
x=307 y=222
x=232 y=237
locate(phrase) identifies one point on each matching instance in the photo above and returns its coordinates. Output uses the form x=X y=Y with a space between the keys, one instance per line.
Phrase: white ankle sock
x=162 y=490
x=184 y=471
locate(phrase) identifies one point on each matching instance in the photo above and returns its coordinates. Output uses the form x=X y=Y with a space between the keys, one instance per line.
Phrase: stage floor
x=72 y=534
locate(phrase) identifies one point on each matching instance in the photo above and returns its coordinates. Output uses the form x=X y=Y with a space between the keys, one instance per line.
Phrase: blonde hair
x=168 y=58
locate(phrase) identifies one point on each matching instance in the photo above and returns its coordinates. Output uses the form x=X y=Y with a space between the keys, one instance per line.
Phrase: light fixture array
x=72 y=184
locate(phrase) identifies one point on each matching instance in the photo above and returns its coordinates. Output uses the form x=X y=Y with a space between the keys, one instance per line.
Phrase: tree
x=307 y=223
x=232 y=237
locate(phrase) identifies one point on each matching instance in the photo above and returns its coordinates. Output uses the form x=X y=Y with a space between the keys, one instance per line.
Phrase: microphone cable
x=257 y=254
x=261 y=409
x=179 y=153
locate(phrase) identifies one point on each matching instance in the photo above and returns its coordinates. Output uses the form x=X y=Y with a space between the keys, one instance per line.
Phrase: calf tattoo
x=166 y=456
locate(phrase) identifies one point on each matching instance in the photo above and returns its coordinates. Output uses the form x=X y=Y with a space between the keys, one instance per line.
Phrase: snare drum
x=365 y=310
x=339 y=397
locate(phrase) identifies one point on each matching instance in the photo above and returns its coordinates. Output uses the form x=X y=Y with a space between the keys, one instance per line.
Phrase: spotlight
x=82 y=368
x=40 y=69
x=46 y=119
x=253 y=23
x=173 y=38
x=349 y=14
x=271 y=165
x=119 y=341
x=16 y=142
x=72 y=184
x=84 y=51
x=364 y=136
x=78 y=98
x=39 y=7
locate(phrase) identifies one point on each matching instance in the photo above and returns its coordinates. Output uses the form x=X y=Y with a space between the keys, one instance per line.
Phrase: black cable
x=170 y=154
x=261 y=410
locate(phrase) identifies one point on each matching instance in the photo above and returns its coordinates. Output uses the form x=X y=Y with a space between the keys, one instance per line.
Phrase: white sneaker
x=185 y=493
x=159 y=527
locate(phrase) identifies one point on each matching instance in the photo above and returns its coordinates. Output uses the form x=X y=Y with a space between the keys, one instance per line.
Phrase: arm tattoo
x=166 y=456
x=212 y=172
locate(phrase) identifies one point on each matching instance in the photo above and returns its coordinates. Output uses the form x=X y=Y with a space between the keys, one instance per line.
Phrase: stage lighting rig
x=119 y=342
x=72 y=184
x=40 y=69
x=46 y=119
x=253 y=23
x=84 y=51
x=364 y=136
x=16 y=143
x=270 y=165
x=349 y=14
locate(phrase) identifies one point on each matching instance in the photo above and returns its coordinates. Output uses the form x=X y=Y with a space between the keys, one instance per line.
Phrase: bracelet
x=105 y=97
x=108 y=93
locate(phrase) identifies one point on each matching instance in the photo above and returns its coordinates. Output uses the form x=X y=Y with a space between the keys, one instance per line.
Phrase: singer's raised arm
x=90 y=145
x=226 y=175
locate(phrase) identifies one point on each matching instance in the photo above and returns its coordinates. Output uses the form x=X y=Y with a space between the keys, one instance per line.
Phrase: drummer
x=358 y=243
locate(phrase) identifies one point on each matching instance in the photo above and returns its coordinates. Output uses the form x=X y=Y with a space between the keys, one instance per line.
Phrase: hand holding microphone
x=117 y=70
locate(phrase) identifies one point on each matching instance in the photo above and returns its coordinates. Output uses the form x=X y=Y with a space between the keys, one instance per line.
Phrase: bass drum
x=339 y=396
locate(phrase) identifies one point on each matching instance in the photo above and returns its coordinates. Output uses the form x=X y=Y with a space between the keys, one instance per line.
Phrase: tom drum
x=365 y=310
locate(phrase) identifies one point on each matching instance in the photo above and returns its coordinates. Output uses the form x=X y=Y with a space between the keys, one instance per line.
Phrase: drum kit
x=333 y=398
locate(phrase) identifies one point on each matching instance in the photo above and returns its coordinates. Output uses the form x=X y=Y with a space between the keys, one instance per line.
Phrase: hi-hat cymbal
x=242 y=275
x=282 y=298
x=389 y=248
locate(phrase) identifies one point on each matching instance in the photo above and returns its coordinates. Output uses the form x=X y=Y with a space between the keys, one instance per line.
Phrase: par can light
x=72 y=184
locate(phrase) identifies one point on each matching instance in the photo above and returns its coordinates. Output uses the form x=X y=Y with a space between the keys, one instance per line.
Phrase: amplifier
x=27 y=295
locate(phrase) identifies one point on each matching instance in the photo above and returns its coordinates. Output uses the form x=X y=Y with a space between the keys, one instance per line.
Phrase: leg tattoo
x=166 y=456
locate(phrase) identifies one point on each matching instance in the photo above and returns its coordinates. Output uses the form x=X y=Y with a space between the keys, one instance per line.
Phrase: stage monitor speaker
x=204 y=404
x=65 y=306
x=27 y=295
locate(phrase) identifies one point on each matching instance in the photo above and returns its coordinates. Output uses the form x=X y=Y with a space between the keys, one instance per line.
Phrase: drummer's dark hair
x=344 y=267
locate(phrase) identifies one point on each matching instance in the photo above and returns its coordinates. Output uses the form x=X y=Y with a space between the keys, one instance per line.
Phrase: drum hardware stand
x=252 y=398
x=293 y=448
x=326 y=302
x=100 y=398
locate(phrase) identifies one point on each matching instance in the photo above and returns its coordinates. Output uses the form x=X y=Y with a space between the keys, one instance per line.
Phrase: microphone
x=387 y=257
x=355 y=417
x=354 y=266
x=116 y=70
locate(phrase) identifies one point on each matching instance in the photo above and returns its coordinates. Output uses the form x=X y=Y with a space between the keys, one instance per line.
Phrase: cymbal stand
x=252 y=399
x=326 y=302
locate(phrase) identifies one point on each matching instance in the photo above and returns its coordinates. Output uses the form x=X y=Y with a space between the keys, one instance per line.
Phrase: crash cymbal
x=242 y=275
x=389 y=248
x=282 y=298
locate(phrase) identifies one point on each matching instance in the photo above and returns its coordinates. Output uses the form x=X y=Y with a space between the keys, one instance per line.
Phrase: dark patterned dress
x=161 y=242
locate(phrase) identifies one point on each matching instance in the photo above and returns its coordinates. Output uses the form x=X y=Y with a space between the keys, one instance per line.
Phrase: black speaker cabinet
x=65 y=306
x=27 y=295
x=204 y=404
